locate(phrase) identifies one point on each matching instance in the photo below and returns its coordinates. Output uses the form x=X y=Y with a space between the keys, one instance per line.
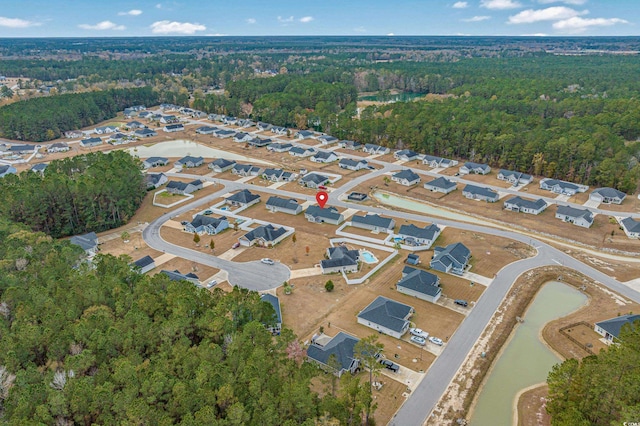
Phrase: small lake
x=398 y=97
x=181 y=148
x=525 y=360
x=405 y=203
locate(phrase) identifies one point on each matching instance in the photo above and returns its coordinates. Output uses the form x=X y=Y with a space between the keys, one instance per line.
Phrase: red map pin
x=321 y=198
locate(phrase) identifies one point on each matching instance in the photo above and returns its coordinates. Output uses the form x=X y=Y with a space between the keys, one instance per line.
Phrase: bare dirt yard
x=135 y=248
x=186 y=266
x=531 y=407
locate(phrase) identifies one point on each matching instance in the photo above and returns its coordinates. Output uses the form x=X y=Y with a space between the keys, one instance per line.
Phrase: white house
x=406 y=177
x=386 y=316
x=579 y=217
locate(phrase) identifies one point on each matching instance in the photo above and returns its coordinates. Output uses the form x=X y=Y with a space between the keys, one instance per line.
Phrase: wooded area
x=107 y=345
x=601 y=389
x=92 y=192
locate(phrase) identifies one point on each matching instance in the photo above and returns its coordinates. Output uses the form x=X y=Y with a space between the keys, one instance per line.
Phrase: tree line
x=106 y=345
x=92 y=192
x=47 y=118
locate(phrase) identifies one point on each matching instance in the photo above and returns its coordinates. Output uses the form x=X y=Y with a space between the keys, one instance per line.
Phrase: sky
x=126 y=18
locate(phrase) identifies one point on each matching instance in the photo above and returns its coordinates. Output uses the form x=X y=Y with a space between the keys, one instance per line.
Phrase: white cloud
x=167 y=27
x=500 y=4
x=360 y=30
x=573 y=2
x=577 y=24
x=251 y=20
x=16 y=23
x=306 y=19
x=555 y=13
x=477 y=19
x=103 y=26
x=391 y=34
x=535 y=35
x=159 y=6
x=132 y=12
x=285 y=20
x=460 y=5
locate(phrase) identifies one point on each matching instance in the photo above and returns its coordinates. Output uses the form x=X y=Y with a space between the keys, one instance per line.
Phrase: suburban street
x=417 y=408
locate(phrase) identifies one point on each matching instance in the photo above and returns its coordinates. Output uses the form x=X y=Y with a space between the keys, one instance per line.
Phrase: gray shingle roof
x=341 y=346
x=523 y=202
x=481 y=191
x=373 y=220
x=348 y=162
x=442 y=182
x=575 y=213
x=191 y=159
x=428 y=232
x=316 y=178
x=420 y=281
x=387 y=313
x=283 y=203
x=275 y=303
x=610 y=193
x=330 y=213
x=201 y=220
x=86 y=242
x=614 y=325
x=143 y=262
x=266 y=232
x=631 y=225
x=407 y=174
x=245 y=197
x=340 y=256
x=222 y=163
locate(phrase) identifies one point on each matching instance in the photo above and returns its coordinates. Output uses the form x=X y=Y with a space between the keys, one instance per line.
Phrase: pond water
x=368 y=257
x=405 y=203
x=181 y=148
x=525 y=360
x=398 y=97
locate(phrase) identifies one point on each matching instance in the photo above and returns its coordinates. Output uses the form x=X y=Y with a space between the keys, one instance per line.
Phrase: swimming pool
x=368 y=257
x=224 y=208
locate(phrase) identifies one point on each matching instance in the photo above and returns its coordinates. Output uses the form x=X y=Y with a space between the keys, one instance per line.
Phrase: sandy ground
x=531 y=407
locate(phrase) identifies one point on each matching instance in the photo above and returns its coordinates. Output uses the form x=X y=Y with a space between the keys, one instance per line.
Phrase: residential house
x=189 y=162
x=352 y=145
x=324 y=157
x=206 y=130
x=441 y=184
x=242 y=137
x=453 y=258
x=318 y=214
x=224 y=133
x=373 y=222
x=277 y=130
x=386 y=316
x=221 y=165
x=610 y=329
x=421 y=284
x=474 y=168
x=349 y=164
x=375 y=149
x=135 y=125
x=103 y=130
x=245 y=123
x=170 y=128
x=284 y=205
x=90 y=142
x=474 y=192
x=631 y=227
x=579 y=217
x=175 y=275
x=58 y=147
x=301 y=151
x=337 y=356
x=145 y=133
x=279 y=147
x=327 y=140
x=245 y=170
x=23 y=149
x=70 y=134
x=406 y=177
x=215 y=117
x=523 y=205
x=607 y=196
x=243 y=198
x=168 y=119
x=155 y=162
x=262 y=126
x=155 y=180
x=304 y=134
x=561 y=187
x=406 y=155
x=340 y=259
x=438 y=162
x=7 y=170
x=278 y=175
x=182 y=188
x=88 y=243
x=145 y=114
x=413 y=235
x=202 y=224
x=412 y=259
x=274 y=326
x=119 y=139
x=313 y=180
x=144 y=264
x=259 y=142
x=514 y=178
x=263 y=236
x=39 y=168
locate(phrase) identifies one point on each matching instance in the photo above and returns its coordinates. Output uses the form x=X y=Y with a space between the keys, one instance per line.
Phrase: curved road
x=418 y=406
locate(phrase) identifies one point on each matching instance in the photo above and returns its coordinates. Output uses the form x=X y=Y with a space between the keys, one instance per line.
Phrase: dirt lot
x=620 y=270
x=185 y=266
x=136 y=248
x=365 y=233
x=489 y=179
x=531 y=407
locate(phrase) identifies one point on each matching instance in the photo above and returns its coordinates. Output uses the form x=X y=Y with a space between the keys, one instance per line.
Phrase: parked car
x=267 y=261
x=419 y=340
x=212 y=283
x=418 y=332
x=390 y=365
x=235 y=245
x=322 y=187
x=207 y=212
x=436 y=341
x=461 y=302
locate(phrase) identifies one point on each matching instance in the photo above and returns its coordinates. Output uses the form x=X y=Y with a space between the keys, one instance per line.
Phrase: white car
x=436 y=341
x=419 y=340
x=212 y=283
x=267 y=261
x=419 y=332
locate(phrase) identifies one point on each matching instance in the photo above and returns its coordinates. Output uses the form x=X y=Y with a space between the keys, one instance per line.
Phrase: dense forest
x=92 y=192
x=107 y=345
x=600 y=390
x=44 y=119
